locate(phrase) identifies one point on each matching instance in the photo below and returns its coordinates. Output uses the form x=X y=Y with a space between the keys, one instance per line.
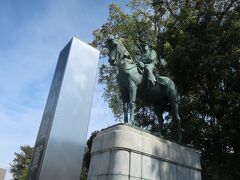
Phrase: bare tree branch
x=226 y=10
x=169 y=9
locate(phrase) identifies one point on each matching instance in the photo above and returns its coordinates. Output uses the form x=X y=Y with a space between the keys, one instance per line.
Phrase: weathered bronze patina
x=138 y=81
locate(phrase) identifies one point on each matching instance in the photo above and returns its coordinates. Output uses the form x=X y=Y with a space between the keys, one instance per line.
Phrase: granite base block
x=122 y=152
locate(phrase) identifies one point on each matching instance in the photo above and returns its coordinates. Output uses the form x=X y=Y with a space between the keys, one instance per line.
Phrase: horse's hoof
x=179 y=140
x=131 y=123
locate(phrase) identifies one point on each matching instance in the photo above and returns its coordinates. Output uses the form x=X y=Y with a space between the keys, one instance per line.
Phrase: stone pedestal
x=126 y=153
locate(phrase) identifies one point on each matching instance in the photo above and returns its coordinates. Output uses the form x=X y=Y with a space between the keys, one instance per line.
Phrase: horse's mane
x=121 y=48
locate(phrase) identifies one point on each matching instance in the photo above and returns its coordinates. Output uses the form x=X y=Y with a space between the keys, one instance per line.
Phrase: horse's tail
x=174 y=92
x=177 y=97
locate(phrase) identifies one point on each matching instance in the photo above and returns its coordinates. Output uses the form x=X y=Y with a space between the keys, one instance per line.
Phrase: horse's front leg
x=132 y=103
x=124 y=94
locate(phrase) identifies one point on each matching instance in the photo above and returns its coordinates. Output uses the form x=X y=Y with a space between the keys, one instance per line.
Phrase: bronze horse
x=162 y=96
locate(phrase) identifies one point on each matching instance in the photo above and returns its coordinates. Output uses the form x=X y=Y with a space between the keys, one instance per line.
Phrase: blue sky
x=32 y=34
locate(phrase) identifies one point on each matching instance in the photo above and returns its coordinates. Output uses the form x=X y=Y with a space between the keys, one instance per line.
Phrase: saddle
x=162 y=80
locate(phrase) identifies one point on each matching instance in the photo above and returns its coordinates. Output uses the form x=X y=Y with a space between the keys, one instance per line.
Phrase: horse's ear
x=106 y=43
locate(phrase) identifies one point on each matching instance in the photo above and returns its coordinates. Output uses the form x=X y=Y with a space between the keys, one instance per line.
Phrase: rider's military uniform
x=149 y=59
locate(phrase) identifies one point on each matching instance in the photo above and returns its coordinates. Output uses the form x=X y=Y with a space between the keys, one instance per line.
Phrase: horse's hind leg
x=125 y=111
x=158 y=111
x=176 y=118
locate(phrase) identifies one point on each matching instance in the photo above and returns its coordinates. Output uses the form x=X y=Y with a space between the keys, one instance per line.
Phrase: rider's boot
x=151 y=79
x=151 y=83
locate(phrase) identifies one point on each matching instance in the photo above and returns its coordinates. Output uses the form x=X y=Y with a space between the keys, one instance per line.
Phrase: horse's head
x=111 y=44
x=118 y=54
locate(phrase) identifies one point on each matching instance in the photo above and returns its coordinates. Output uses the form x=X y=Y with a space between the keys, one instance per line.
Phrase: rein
x=130 y=65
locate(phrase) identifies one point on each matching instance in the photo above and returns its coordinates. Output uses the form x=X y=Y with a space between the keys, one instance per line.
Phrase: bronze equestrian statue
x=134 y=80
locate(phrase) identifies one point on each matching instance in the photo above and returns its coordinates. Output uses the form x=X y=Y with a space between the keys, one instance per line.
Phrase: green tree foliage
x=20 y=164
x=200 y=43
x=87 y=156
